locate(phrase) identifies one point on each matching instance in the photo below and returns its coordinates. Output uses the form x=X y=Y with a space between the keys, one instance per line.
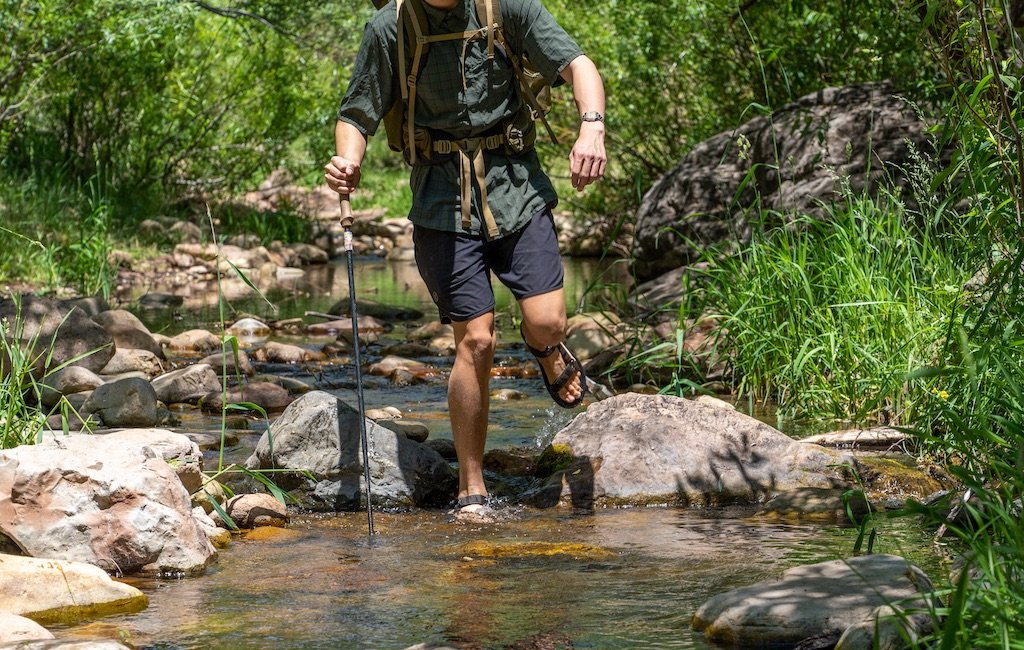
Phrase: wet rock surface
x=816 y=600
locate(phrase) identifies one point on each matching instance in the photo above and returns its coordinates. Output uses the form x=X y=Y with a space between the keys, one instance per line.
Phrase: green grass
x=828 y=316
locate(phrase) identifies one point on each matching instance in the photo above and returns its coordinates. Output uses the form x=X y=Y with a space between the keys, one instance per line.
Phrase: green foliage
x=828 y=316
x=677 y=72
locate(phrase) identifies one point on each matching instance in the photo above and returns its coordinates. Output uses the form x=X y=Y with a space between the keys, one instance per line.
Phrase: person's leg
x=469 y=398
x=543 y=327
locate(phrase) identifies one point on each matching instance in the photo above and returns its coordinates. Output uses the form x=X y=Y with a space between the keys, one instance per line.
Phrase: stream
x=545 y=579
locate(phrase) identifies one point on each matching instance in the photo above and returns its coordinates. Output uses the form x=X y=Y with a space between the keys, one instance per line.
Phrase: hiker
x=481 y=203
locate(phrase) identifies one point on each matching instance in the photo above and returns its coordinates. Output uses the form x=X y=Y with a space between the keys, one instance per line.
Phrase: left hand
x=587 y=159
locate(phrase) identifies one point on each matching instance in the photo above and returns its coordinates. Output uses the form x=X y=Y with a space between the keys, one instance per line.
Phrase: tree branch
x=239 y=13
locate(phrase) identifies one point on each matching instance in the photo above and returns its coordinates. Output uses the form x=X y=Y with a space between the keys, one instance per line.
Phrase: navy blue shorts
x=457 y=267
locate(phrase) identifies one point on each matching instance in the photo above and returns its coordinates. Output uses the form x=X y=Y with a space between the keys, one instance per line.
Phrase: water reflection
x=393 y=283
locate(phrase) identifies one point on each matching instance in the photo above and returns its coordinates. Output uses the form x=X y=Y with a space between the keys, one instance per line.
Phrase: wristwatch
x=592 y=116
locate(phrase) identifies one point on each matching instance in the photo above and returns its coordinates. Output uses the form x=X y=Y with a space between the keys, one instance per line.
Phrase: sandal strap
x=571 y=369
x=472 y=500
x=540 y=354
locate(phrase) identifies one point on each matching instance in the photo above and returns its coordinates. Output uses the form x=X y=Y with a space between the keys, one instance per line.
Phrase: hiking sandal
x=572 y=368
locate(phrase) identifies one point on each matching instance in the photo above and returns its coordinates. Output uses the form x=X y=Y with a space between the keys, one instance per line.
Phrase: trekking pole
x=346 y=223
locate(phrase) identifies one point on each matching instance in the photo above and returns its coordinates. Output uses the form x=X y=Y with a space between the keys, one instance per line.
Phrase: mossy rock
x=488 y=549
x=553 y=459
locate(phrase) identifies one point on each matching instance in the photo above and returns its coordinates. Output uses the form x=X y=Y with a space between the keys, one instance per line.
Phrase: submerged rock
x=319 y=434
x=644 y=449
x=110 y=500
x=817 y=600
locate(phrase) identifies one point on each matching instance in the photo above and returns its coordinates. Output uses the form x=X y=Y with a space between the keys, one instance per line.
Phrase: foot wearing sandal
x=569 y=384
x=474 y=508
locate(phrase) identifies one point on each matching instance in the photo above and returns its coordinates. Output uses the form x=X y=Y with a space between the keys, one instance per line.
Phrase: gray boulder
x=128 y=331
x=186 y=385
x=109 y=500
x=319 y=433
x=818 y=600
x=127 y=360
x=646 y=449
x=798 y=156
x=54 y=333
x=67 y=381
x=127 y=402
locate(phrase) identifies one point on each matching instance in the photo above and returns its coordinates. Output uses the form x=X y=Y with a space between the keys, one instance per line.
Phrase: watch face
x=592 y=116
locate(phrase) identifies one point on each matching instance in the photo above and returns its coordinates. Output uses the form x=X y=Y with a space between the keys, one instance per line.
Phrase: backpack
x=414 y=39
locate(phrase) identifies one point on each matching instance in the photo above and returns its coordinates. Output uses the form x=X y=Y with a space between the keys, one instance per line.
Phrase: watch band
x=592 y=116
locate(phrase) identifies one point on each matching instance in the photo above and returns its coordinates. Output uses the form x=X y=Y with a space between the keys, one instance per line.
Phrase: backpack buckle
x=443 y=146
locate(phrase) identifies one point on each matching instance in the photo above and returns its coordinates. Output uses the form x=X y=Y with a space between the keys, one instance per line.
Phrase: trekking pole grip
x=346 y=211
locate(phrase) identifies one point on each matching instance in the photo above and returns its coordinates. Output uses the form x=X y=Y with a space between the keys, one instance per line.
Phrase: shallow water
x=628 y=578
x=623 y=578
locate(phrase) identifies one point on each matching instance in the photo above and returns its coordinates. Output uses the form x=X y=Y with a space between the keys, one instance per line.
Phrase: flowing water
x=622 y=578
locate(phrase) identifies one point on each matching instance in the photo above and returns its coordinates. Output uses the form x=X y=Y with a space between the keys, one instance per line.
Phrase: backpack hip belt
x=471 y=164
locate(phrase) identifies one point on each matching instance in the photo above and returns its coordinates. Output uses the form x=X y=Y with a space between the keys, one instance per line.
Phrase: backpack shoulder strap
x=488 y=14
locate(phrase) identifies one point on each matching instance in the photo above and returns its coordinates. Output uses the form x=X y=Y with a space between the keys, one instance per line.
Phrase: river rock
x=128 y=331
x=195 y=341
x=431 y=330
x=409 y=428
x=160 y=300
x=390 y=364
x=234 y=363
x=792 y=160
x=255 y=510
x=275 y=352
x=185 y=231
x=588 y=335
x=59 y=591
x=124 y=403
x=320 y=433
x=821 y=599
x=54 y=333
x=67 y=381
x=108 y=500
x=186 y=385
x=887 y=628
x=816 y=504
x=270 y=397
x=249 y=330
x=18 y=628
x=129 y=360
x=644 y=449
x=375 y=309
x=876 y=438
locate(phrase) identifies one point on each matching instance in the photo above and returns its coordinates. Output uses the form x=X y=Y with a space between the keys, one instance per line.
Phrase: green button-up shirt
x=463 y=94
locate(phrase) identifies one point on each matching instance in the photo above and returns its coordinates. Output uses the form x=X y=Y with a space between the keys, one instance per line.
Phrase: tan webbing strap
x=471 y=165
x=418 y=19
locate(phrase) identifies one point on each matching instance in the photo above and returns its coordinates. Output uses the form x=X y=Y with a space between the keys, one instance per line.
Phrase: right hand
x=342 y=175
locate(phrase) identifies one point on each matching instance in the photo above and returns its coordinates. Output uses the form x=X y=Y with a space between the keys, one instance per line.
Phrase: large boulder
x=129 y=402
x=109 y=500
x=57 y=591
x=54 y=333
x=646 y=449
x=793 y=160
x=815 y=601
x=319 y=433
